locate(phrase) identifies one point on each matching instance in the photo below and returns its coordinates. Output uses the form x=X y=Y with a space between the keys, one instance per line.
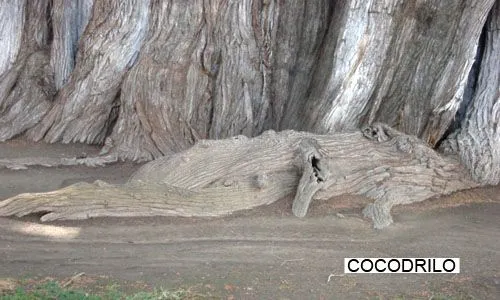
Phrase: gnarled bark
x=69 y=20
x=83 y=108
x=216 y=178
x=343 y=64
x=26 y=84
x=477 y=140
x=223 y=69
x=173 y=72
x=152 y=78
x=479 y=137
x=11 y=20
x=390 y=61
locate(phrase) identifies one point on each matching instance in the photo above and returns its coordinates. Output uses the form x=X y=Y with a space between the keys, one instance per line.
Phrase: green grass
x=53 y=291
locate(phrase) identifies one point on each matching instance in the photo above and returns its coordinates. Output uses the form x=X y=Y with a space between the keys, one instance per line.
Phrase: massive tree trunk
x=173 y=72
x=225 y=68
x=151 y=78
x=404 y=63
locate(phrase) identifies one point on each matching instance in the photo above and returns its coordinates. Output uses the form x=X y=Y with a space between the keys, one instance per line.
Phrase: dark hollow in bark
x=478 y=140
x=314 y=175
x=218 y=177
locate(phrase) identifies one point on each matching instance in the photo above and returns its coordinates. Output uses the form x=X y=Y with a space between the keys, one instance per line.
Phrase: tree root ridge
x=219 y=177
x=25 y=162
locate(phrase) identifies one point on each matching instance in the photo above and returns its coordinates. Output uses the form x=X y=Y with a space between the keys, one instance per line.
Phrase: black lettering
x=435 y=268
x=444 y=265
x=349 y=265
x=392 y=269
x=419 y=262
x=376 y=265
x=406 y=260
x=363 y=265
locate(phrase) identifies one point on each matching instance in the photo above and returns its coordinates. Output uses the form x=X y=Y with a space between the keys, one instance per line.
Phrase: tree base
x=219 y=177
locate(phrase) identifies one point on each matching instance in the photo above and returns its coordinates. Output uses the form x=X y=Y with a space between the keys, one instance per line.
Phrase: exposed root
x=215 y=178
x=25 y=162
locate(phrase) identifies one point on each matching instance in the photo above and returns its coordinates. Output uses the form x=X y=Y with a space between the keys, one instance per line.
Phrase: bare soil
x=265 y=253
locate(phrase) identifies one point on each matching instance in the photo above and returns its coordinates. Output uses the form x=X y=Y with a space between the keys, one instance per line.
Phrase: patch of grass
x=52 y=290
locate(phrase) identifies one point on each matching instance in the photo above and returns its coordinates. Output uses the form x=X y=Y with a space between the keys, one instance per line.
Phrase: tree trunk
x=404 y=63
x=68 y=22
x=151 y=78
x=229 y=68
x=479 y=136
x=225 y=68
x=26 y=83
x=82 y=111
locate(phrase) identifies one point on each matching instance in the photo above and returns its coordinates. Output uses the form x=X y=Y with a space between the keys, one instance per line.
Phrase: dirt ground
x=264 y=253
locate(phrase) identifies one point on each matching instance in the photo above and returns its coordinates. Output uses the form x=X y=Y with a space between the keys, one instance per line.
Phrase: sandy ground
x=264 y=253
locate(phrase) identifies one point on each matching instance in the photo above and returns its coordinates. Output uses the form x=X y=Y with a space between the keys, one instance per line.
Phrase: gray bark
x=152 y=78
x=478 y=139
x=68 y=22
x=11 y=20
x=214 y=69
x=223 y=69
x=404 y=63
x=215 y=178
x=26 y=84
x=82 y=111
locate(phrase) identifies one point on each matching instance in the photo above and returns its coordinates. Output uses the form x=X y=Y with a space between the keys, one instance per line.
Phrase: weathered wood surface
x=478 y=139
x=218 y=177
x=26 y=77
x=157 y=76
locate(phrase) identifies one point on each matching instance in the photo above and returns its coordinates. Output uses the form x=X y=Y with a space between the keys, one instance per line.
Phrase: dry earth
x=264 y=253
